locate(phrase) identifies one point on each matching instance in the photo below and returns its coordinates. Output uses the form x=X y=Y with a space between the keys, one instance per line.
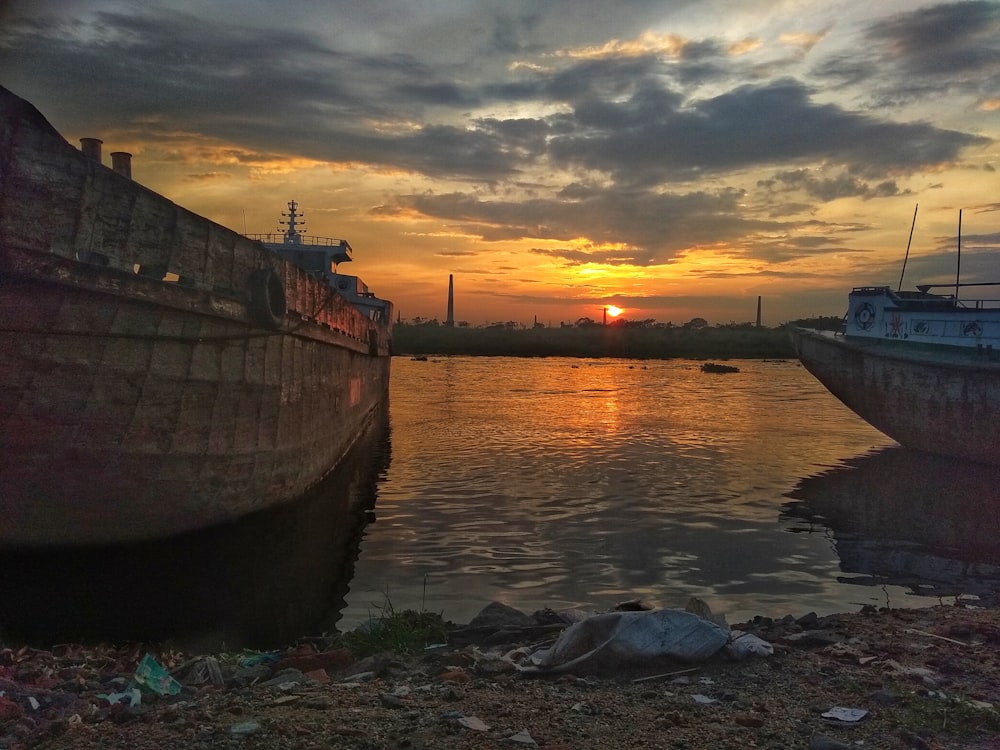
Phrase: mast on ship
x=293 y=236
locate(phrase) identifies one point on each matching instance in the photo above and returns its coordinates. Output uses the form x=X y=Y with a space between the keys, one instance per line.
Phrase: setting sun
x=613 y=311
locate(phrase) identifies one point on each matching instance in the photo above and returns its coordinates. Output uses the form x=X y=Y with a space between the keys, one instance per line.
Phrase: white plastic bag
x=613 y=642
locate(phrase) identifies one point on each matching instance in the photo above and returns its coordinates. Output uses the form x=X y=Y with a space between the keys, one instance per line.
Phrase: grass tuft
x=404 y=632
x=954 y=714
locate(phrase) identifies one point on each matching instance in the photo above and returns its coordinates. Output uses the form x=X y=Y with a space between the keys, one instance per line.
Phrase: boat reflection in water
x=258 y=583
x=926 y=523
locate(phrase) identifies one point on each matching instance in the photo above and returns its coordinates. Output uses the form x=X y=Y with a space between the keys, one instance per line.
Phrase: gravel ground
x=925 y=678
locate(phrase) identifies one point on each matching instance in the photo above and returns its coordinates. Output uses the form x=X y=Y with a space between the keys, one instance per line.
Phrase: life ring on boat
x=267 y=298
x=973 y=328
x=864 y=316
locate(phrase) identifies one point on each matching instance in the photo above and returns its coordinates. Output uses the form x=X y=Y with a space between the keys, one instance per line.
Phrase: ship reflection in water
x=259 y=583
x=896 y=517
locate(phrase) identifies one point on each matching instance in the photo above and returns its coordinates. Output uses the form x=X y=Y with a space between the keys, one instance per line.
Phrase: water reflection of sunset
x=568 y=482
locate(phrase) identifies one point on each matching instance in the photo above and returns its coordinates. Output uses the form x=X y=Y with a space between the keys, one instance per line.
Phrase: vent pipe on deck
x=91 y=148
x=121 y=162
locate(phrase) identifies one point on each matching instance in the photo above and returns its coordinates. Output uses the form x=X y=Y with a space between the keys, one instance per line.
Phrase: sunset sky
x=675 y=158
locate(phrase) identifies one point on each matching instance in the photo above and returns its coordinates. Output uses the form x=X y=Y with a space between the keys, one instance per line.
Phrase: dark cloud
x=943 y=40
x=843 y=185
x=161 y=71
x=653 y=139
x=603 y=147
x=906 y=57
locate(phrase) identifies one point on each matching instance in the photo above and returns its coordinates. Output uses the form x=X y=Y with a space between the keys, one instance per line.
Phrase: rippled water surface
x=563 y=482
x=552 y=483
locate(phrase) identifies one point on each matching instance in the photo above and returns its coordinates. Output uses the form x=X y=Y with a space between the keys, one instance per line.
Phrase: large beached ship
x=159 y=372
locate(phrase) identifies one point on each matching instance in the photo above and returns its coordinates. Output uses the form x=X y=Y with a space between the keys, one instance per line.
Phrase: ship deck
x=952 y=356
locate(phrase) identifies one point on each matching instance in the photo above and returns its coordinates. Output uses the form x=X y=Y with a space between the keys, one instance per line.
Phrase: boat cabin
x=921 y=317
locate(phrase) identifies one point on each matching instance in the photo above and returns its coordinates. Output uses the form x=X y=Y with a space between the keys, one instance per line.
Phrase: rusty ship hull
x=159 y=373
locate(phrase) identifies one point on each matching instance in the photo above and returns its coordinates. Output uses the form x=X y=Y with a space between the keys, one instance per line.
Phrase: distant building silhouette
x=450 y=318
x=758 y=311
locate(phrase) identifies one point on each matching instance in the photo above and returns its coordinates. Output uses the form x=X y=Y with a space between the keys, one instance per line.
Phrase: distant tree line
x=586 y=338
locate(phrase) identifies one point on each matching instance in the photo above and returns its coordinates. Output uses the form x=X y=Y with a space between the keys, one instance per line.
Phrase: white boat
x=921 y=366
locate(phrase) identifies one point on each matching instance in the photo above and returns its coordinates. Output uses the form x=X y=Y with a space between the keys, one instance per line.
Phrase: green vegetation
x=403 y=632
x=953 y=714
x=694 y=340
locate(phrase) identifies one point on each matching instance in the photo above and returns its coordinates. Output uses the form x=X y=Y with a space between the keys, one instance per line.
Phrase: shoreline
x=923 y=678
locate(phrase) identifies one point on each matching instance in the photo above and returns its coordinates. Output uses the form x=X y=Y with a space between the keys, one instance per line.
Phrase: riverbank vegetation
x=693 y=340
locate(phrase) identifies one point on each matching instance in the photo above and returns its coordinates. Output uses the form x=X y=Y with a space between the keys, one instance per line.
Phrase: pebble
x=390 y=701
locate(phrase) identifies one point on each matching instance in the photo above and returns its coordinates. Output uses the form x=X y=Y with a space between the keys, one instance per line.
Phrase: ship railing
x=980 y=304
x=278 y=238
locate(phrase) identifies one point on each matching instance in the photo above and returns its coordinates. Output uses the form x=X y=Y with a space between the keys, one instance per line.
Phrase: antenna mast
x=900 y=287
x=293 y=236
x=958 y=263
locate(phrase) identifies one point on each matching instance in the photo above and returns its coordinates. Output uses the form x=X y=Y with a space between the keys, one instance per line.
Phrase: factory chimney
x=450 y=319
x=758 y=311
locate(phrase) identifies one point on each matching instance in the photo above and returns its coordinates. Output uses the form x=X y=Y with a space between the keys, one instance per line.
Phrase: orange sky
x=675 y=161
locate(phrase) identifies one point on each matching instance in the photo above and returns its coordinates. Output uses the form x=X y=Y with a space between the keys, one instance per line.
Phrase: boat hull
x=141 y=395
x=944 y=402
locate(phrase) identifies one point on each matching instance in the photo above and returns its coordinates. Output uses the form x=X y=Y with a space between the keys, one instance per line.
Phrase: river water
x=554 y=483
x=582 y=483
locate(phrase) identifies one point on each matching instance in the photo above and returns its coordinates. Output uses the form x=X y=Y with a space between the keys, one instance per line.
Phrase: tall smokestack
x=450 y=320
x=121 y=162
x=91 y=148
x=758 y=311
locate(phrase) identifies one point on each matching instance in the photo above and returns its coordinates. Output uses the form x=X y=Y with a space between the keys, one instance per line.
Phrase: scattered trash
x=262 y=657
x=661 y=676
x=703 y=700
x=152 y=675
x=474 y=723
x=935 y=635
x=134 y=697
x=744 y=645
x=244 y=728
x=200 y=670
x=522 y=738
x=33 y=702
x=848 y=715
